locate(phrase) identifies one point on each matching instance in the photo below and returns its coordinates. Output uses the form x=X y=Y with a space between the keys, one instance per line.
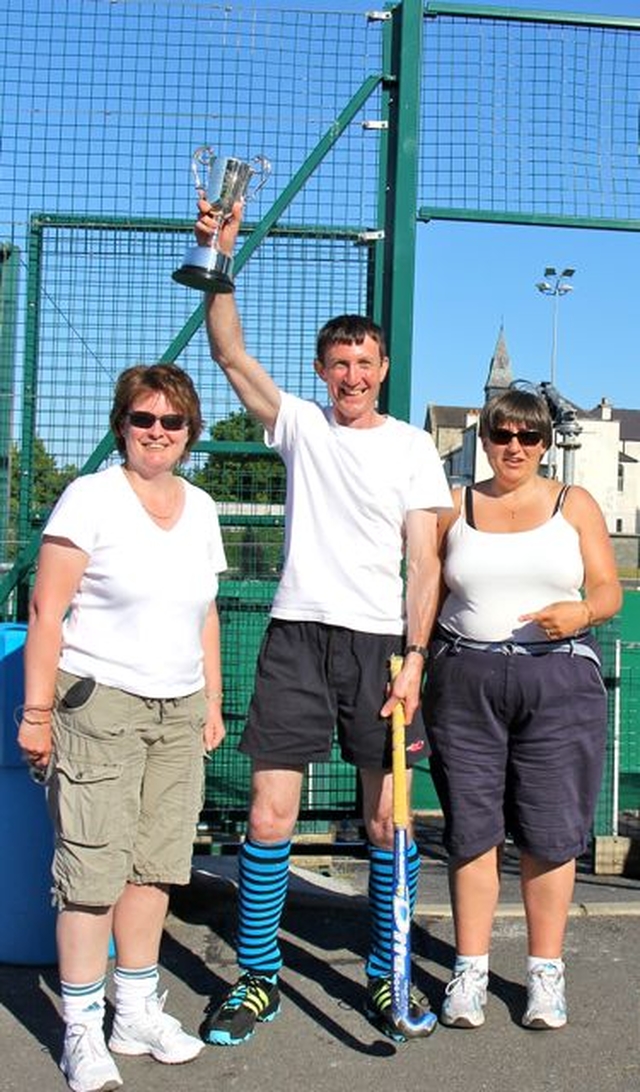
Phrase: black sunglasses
x=527 y=437
x=171 y=422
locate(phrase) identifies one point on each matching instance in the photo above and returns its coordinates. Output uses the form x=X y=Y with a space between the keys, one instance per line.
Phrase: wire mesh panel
x=629 y=799
x=104 y=104
x=608 y=636
x=629 y=728
x=107 y=301
x=530 y=116
x=105 y=101
x=618 y=809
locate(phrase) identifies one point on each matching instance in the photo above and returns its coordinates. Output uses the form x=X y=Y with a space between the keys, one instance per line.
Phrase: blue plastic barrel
x=27 y=918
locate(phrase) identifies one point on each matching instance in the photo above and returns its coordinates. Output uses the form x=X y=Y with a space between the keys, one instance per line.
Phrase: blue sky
x=471 y=278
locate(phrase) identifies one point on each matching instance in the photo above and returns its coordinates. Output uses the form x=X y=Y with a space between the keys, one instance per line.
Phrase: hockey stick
x=401 y=957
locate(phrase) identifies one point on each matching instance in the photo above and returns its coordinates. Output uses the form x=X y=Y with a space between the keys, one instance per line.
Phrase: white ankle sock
x=465 y=962
x=83 y=1003
x=134 y=987
x=534 y=962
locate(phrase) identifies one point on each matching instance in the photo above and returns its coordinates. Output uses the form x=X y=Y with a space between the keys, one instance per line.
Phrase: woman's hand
x=563 y=619
x=35 y=740
x=214 y=730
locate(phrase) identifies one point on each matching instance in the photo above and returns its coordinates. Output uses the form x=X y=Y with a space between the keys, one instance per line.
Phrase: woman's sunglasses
x=171 y=422
x=527 y=437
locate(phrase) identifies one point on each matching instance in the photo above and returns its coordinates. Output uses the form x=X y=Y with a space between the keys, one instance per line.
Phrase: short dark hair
x=349 y=330
x=519 y=407
x=167 y=379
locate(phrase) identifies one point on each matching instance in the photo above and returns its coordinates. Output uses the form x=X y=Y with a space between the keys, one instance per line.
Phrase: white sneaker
x=546 y=1005
x=154 y=1032
x=465 y=997
x=86 y=1062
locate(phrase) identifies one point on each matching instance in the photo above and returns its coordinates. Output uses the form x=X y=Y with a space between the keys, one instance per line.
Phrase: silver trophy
x=222 y=180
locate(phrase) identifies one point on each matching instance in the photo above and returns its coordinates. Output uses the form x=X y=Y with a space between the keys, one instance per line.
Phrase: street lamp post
x=554 y=284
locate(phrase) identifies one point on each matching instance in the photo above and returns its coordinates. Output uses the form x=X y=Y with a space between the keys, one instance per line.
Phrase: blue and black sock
x=264 y=878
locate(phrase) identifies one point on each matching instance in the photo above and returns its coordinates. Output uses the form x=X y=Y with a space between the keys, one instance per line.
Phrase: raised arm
x=253 y=385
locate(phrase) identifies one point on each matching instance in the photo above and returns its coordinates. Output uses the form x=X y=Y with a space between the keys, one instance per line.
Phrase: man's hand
x=212 y=227
x=406 y=689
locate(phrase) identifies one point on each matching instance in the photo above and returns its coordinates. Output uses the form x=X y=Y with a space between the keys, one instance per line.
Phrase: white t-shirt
x=494 y=578
x=348 y=494
x=136 y=619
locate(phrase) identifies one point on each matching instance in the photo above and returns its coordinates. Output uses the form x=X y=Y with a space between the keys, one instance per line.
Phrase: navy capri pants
x=518 y=743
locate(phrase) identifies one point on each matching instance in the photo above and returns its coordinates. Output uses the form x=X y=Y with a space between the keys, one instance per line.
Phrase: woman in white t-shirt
x=515 y=706
x=123 y=697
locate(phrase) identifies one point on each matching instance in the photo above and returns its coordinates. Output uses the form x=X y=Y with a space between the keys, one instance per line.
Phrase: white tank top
x=494 y=578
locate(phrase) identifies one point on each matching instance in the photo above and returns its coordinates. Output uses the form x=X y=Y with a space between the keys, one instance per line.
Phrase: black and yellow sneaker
x=253 y=999
x=378 y=1007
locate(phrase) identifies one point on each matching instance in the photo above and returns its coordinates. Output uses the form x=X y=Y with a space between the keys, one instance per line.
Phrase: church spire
x=500 y=375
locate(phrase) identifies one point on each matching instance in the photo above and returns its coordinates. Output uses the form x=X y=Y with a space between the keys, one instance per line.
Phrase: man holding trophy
x=363 y=490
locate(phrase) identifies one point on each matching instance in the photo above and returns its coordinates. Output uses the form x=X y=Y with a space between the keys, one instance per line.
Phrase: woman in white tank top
x=514 y=705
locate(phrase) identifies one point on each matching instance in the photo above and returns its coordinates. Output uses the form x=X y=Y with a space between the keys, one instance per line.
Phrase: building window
x=618 y=526
x=620 y=477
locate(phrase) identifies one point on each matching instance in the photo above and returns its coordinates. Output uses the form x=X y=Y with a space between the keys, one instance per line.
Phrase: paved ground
x=321 y=1042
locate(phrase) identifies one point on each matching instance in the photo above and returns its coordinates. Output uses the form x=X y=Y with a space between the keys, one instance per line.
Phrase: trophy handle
x=263 y=170
x=202 y=157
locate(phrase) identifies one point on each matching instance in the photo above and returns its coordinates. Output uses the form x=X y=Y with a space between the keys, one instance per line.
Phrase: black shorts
x=518 y=745
x=313 y=678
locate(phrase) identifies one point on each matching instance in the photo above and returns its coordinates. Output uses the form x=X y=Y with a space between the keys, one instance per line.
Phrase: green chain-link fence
x=373 y=124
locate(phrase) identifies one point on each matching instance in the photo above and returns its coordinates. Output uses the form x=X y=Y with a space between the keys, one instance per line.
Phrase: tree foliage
x=48 y=482
x=254 y=543
x=245 y=479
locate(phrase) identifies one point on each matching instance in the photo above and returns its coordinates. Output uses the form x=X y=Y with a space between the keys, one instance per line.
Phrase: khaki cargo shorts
x=125 y=791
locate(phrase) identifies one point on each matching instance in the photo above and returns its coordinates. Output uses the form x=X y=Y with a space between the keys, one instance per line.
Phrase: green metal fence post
x=29 y=399
x=9 y=263
x=402 y=200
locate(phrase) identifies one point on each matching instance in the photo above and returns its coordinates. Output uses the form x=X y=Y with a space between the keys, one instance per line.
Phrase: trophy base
x=194 y=276
x=206 y=269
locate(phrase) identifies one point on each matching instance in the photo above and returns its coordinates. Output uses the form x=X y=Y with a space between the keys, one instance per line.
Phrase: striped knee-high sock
x=264 y=876
x=381 y=905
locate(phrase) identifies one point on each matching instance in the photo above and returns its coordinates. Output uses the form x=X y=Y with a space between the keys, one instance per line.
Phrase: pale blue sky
x=471 y=278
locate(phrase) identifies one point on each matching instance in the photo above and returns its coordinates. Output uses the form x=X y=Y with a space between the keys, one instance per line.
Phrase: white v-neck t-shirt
x=136 y=619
